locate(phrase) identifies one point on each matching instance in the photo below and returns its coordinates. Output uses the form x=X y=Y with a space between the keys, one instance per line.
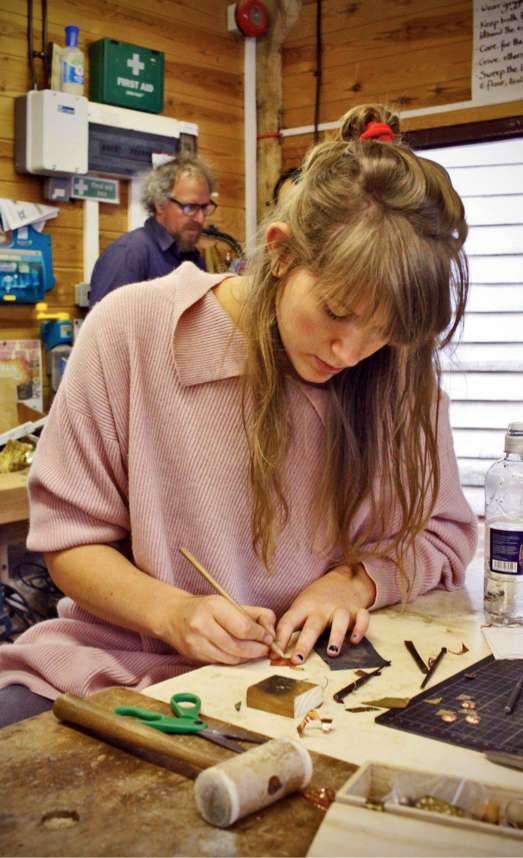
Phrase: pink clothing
x=145 y=441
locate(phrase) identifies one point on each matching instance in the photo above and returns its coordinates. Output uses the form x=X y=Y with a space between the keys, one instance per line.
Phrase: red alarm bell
x=252 y=18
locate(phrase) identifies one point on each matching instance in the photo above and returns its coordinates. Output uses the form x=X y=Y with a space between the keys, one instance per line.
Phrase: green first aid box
x=126 y=75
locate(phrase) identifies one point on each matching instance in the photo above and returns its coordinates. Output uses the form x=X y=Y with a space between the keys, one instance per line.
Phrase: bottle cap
x=71 y=36
x=514 y=438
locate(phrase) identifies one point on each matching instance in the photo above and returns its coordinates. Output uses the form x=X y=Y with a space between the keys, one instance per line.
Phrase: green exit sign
x=126 y=75
x=92 y=188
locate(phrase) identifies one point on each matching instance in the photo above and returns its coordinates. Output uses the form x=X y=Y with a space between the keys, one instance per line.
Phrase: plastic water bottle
x=72 y=63
x=504 y=533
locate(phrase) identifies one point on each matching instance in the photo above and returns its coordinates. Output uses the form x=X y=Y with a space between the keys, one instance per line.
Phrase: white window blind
x=483 y=370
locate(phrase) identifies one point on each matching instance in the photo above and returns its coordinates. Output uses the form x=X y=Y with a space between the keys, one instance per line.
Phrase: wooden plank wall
x=408 y=53
x=203 y=84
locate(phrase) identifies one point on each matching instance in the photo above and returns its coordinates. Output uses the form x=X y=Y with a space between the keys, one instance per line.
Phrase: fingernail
x=333 y=648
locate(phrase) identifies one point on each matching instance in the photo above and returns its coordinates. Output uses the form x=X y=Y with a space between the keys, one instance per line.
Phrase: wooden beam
x=283 y=14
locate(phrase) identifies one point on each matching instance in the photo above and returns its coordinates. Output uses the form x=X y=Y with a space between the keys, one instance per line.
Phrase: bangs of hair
x=379 y=269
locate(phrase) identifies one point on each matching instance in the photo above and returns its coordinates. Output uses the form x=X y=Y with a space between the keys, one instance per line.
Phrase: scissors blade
x=219 y=739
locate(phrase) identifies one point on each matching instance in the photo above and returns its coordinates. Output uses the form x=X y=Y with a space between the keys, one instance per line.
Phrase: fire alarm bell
x=252 y=18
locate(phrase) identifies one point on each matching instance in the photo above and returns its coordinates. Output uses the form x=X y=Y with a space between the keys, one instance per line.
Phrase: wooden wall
x=409 y=53
x=203 y=84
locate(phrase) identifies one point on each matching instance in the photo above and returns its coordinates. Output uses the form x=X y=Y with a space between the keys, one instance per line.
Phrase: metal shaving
x=462 y=651
x=238 y=706
x=468 y=704
x=434 y=701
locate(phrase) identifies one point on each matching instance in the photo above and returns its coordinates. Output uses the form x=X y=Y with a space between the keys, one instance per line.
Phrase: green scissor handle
x=186 y=705
x=164 y=723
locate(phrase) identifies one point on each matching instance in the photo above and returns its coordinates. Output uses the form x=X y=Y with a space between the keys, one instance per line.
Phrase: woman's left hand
x=339 y=598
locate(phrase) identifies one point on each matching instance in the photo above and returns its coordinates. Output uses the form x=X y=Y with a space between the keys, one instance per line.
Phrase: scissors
x=186 y=708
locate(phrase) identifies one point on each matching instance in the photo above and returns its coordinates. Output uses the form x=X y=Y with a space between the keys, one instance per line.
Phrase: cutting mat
x=489 y=683
x=66 y=793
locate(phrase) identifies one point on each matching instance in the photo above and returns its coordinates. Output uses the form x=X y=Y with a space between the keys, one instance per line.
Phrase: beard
x=187 y=240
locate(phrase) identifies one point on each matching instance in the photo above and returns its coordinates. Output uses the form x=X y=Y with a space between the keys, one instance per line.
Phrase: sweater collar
x=207 y=344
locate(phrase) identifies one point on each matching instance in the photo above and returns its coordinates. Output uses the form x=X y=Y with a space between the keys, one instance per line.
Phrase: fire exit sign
x=126 y=75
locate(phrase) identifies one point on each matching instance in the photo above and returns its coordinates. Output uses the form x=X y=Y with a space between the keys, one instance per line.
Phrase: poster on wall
x=497 y=59
x=21 y=365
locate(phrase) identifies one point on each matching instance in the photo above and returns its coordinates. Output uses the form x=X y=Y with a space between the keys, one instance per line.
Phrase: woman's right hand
x=210 y=629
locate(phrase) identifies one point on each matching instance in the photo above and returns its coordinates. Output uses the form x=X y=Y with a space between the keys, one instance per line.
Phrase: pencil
x=219 y=589
x=514 y=697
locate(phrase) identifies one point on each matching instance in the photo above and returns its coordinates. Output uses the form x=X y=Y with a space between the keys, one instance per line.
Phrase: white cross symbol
x=135 y=64
x=81 y=186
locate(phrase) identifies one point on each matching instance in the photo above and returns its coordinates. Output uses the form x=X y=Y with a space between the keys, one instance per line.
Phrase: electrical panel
x=52 y=133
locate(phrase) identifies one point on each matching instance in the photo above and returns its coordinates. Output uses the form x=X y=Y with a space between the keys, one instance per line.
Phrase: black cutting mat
x=490 y=690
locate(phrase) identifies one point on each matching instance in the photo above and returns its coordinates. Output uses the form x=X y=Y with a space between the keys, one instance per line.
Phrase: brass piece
x=468 y=704
x=389 y=702
x=433 y=700
x=438 y=805
x=472 y=718
x=374 y=805
x=447 y=715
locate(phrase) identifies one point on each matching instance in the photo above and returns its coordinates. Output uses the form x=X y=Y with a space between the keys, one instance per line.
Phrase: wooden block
x=283 y=695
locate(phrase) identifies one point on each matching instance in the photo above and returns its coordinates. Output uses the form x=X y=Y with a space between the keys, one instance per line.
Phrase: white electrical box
x=52 y=136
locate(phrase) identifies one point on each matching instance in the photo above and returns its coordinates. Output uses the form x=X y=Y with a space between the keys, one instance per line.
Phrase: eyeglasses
x=190 y=209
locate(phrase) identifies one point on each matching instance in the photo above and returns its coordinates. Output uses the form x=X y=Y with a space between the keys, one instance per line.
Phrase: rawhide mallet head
x=250 y=781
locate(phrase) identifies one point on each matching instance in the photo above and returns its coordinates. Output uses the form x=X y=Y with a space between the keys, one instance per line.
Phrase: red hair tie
x=378 y=131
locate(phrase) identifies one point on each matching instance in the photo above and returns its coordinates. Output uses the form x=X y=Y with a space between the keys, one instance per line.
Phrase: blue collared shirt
x=141 y=254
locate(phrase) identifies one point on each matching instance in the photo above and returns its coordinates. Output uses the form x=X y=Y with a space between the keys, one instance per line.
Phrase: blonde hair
x=381 y=229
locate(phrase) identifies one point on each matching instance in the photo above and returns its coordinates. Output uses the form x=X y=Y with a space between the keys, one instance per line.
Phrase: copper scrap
x=447 y=715
x=462 y=651
x=490 y=812
x=326 y=724
x=278 y=661
x=322 y=797
x=472 y=718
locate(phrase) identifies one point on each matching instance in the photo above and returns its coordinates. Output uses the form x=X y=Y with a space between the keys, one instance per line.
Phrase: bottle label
x=506 y=551
x=72 y=73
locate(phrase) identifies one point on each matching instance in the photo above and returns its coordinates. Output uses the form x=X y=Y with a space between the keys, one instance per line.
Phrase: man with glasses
x=177 y=196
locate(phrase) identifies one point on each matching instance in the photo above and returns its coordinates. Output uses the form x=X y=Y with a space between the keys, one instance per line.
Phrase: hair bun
x=356 y=121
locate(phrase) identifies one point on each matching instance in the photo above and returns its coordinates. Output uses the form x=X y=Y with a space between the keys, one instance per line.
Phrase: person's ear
x=276 y=238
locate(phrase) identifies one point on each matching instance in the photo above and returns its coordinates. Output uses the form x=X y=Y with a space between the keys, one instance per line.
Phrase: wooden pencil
x=219 y=589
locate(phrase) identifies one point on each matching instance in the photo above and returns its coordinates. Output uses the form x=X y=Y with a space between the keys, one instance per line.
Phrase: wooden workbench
x=65 y=793
x=14 y=513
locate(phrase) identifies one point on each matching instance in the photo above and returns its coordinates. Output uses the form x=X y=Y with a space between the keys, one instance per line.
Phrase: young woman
x=286 y=427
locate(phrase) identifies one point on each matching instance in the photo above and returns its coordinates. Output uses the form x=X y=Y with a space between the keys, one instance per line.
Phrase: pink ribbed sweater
x=145 y=440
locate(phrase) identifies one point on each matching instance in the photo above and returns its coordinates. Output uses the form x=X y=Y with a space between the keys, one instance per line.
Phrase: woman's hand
x=339 y=598
x=209 y=629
